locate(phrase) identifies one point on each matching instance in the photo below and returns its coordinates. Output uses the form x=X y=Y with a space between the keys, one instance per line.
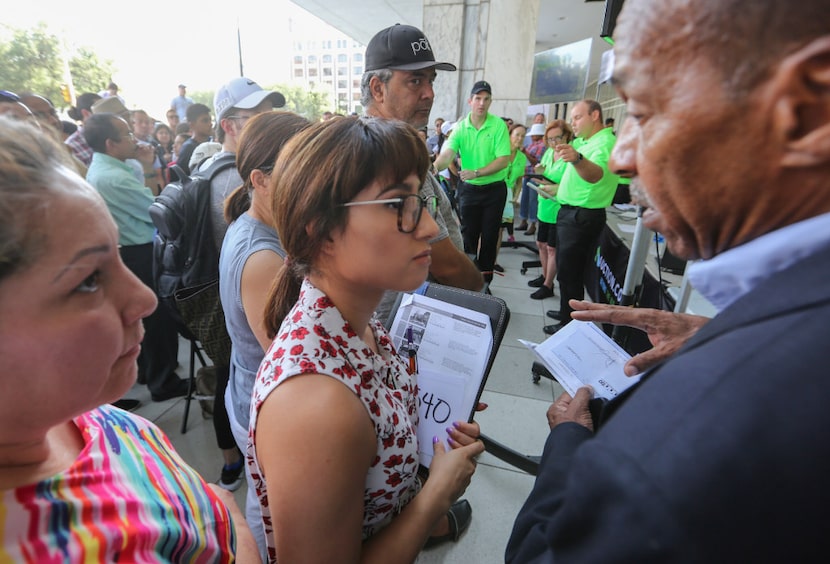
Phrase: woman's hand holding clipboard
x=542 y=185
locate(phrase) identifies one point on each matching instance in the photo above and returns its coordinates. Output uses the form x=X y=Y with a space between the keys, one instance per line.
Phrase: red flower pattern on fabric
x=314 y=338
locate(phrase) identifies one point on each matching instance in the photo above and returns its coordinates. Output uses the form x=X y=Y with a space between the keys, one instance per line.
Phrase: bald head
x=684 y=71
x=744 y=39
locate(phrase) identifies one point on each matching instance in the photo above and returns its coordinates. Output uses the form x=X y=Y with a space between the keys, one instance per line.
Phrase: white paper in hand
x=582 y=354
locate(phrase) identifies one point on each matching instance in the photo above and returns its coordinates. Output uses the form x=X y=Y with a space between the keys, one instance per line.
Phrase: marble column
x=492 y=40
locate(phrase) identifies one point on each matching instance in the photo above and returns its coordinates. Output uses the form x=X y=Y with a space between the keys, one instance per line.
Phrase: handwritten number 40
x=434 y=408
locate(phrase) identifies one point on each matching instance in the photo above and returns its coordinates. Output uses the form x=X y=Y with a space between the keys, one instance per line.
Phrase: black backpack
x=185 y=259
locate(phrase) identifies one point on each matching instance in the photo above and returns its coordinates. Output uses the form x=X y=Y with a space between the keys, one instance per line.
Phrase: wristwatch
x=579 y=157
x=476 y=171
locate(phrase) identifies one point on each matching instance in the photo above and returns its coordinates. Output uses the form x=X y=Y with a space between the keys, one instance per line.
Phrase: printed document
x=582 y=354
x=451 y=345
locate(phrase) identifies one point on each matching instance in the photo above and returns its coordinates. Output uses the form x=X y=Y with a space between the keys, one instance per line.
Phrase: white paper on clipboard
x=535 y=187
x=452 y=344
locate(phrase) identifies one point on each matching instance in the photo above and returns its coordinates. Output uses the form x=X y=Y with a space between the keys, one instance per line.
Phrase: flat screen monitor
x=561 y=74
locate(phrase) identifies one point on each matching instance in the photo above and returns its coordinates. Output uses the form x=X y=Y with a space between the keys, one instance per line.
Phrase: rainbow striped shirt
x=128 y=497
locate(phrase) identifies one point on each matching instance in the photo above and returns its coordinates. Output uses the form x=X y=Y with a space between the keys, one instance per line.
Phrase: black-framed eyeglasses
x=409 y=209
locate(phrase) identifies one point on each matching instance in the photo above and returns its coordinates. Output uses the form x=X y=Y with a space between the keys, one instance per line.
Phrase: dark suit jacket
x=722 y=454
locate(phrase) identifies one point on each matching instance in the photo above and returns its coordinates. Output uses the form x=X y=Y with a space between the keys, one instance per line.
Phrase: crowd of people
x=321 y=225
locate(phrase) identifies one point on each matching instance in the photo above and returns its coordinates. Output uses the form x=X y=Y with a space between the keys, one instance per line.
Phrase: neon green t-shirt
x=548 y=209
x=516 y=170
x=575 y=191
x=480 y=147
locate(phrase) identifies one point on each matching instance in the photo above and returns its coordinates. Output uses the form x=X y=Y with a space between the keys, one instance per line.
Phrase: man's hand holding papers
x=579 y=355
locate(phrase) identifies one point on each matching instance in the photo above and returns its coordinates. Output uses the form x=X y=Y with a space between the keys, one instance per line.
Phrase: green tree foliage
x=308 y=103
x=31 y=60
x=89 y=73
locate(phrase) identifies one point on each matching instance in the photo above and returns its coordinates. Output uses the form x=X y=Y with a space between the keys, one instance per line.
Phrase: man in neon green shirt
x=586 y=189
x=483 y=142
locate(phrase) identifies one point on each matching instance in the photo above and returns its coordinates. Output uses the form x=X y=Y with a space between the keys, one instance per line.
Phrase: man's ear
x=802 y=109
x=376 y=87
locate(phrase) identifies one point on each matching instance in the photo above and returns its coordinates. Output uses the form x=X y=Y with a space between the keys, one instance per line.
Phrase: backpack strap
x=222 y=163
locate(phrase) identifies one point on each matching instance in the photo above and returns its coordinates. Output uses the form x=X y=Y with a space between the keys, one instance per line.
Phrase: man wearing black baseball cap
x=397 y=84
x=484 y=142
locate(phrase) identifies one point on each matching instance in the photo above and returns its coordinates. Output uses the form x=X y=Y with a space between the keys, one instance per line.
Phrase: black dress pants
x=481 y=213
x=577 y=235
x=160 y=350
x=221 y=423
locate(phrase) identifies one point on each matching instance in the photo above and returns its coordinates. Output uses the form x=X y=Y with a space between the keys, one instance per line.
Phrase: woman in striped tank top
x=80 y=480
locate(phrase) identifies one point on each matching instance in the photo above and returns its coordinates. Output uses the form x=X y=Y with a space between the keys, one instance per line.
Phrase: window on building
x=357 y=57
x=298 y=59
x=298 y=73
x=327 y=58
x=312 y=71
x=342 y=58
x=326 y=71
x=312 y=59
x=342 y=71
x=357 y=69
x=341 y=84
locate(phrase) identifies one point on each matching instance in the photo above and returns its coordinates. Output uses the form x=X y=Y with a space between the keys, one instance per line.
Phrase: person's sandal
x=459 y=516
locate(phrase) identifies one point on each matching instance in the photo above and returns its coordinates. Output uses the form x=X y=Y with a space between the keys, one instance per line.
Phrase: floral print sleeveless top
x=315 y=339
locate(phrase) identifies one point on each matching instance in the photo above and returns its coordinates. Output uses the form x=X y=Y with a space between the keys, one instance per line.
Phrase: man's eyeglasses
x=241 y=119
x=128 y=135
x=409 y=209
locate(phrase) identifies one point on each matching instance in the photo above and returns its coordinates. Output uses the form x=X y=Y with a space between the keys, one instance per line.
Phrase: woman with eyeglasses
x=557 y=131
x=333 y=446
x=249 y=261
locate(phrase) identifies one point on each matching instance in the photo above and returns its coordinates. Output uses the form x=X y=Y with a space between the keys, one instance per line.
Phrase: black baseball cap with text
x=481 y=86
x=402 y=47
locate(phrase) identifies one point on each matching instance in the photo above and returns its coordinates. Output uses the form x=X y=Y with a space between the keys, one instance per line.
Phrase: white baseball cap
x=203 y=151
x=243 y=93
x=536 y=129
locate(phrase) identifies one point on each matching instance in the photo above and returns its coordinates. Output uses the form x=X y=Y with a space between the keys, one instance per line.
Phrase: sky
x=157 y=44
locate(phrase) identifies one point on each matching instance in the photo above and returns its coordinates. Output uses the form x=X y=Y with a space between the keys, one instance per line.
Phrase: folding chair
x=195 y=352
